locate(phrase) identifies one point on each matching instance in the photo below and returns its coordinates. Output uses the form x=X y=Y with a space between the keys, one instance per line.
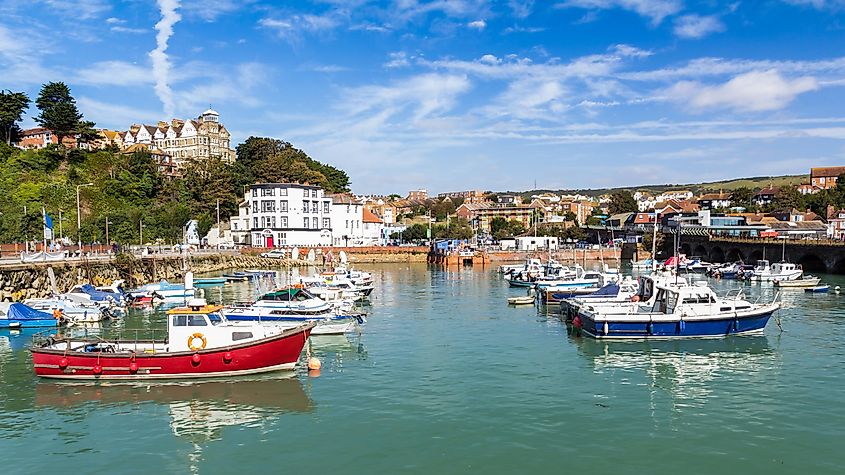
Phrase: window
x=314 y=223
x=284 y=221
x=197 y=321
x=315 y=207
x=313 y=193
x=325 y=206
x=305 y=206
x=268 y=206
x=241 y=336
x=180 y=320
x=255 y=206
x=254 y=222
x=305 y=221
x=283 y=191
x=347 y=223
x=255 y=192
x=283 y=205
x=268 y=192
x=272 y=221
x=327 y=224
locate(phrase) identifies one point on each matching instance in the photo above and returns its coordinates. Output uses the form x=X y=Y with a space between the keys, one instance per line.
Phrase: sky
x=453 y=95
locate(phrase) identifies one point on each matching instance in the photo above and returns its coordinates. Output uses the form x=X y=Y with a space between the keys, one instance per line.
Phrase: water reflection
x=199 y=411
x=687 y=370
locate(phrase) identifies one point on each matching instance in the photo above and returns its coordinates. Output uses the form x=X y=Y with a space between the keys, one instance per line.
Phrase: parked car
x=274 y=254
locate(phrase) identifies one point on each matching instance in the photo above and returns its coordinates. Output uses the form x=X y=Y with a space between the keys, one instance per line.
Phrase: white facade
x=286 y=214
x=533 y=243
x=347 y=216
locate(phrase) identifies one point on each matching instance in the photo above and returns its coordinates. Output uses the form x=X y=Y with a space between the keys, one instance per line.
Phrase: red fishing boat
x=200 y=343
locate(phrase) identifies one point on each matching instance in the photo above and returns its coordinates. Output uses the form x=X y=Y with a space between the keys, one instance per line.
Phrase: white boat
x=72 y=311
x=524 y=300
x=806 y=281
x=781 y=271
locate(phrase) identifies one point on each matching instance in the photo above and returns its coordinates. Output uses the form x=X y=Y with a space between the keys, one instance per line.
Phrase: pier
x=813 y=255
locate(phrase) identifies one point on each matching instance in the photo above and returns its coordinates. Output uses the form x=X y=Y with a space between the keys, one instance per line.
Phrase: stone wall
x=23 y=281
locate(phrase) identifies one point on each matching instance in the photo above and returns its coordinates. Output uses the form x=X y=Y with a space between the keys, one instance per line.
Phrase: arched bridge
x=814 y=256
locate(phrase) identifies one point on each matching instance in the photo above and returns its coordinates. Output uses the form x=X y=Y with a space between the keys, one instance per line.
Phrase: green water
x=445 y=378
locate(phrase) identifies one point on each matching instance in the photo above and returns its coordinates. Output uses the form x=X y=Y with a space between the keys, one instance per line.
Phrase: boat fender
x=576 y=322
x=606 y=328
x=133 y=367
x=63 y=363
x=97 y=369
x=648 y=328
x=196 y=358
x=227 y=357
x=197 y=336
x=681 y=326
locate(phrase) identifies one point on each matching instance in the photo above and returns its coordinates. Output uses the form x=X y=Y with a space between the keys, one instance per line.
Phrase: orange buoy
x=196 y=358
x=133 y=367
x=314 y=363
x=97 y=369
x=227 y=357
x=63 y=363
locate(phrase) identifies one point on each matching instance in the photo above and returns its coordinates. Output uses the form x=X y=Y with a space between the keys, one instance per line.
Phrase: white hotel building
x=288 y=214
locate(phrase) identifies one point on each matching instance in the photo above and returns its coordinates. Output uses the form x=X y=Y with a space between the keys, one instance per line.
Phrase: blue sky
x=464 y=94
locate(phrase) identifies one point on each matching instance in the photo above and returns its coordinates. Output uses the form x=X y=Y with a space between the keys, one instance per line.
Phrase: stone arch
x=733 y=255
x=755 y=256
x=839 y=267
x=685 y=249
x=812 y=263
x=700 y=250
x=717 y=254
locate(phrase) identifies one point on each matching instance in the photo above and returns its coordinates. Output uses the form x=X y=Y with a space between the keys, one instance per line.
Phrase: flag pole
x=44 y=232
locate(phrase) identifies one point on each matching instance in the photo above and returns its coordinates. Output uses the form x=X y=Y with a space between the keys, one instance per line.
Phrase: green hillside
x=755 y=183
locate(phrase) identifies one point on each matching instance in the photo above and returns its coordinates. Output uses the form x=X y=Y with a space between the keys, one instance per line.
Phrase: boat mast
x=654 y=245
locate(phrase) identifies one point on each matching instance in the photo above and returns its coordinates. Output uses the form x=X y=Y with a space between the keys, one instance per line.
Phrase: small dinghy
x=818 y=289
x=527 y=300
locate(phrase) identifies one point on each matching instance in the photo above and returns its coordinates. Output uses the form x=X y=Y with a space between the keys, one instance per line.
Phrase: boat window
x=241 y=335
x=671 y=301
x=197 y=321
x=215 y=318
x=180 y=320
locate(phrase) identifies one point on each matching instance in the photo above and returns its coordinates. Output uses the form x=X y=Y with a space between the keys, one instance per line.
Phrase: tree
x=647 y=241
x=85 y=132
x=12 y=107
x=497 y=224
x=272 y=160
x=570 y=216
x=622 y=202
x=742 y=197
x=788 y=198
x=58 y=110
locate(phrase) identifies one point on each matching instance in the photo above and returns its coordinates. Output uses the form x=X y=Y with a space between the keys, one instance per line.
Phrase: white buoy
x=189 y=280
x=836 y=289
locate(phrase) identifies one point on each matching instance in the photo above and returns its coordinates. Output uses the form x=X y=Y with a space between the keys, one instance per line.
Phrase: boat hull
x=28 y=323
x=668 y=329
x=280 y=352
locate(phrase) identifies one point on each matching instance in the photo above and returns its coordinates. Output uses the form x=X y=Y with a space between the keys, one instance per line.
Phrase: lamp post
x=79 y=217
x=141 y=231
x=108 y=243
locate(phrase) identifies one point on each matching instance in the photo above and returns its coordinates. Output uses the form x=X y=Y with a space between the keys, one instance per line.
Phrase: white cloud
x=161 y=62
x=695 y=26
x=115 y=116
x=477 y=24
x=211 y=10
x=521 y=8
x=125 y=29
x=399 y=59
x=292 y=27
x=19 y=65
x=820 y=4
x=79 y=9
x=754 y=92
x=114 y=73
x=425 y=94
x=115 y=21
x=656 y=10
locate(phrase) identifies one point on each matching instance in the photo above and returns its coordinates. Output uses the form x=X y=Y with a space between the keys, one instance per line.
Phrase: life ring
x=194 y=337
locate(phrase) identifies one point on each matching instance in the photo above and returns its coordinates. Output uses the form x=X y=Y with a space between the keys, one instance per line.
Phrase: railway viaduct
x=814 y=256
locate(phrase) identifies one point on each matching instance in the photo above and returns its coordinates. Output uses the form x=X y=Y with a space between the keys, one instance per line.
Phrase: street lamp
x=141 y=231
x=108 y=243
x=79 y=217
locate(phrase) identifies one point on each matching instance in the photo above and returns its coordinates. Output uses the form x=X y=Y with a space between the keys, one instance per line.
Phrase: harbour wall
x=22 y=281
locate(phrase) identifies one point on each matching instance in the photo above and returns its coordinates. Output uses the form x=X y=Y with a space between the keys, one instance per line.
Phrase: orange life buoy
x=194 y=337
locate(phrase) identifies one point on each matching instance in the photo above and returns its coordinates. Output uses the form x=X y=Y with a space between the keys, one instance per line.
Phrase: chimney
x=162 y=124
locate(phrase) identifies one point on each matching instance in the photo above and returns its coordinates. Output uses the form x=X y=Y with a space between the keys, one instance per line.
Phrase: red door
x=270 y=241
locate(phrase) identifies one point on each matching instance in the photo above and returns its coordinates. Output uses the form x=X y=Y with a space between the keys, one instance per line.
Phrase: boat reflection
x=199 y=411
x=684 y=369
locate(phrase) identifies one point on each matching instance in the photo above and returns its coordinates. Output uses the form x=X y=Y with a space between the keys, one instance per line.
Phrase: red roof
x=370 y=217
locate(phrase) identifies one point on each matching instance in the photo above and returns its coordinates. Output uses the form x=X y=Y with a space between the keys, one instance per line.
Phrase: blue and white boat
x=676 y=311
x=18 y=315
x=295 y=306
x=162 y=290
x=72 y=310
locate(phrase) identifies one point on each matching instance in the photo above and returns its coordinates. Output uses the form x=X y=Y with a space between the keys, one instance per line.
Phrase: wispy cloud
x=656 y=10
x=160 y=60
x=754 y=92
x=114 y=73
x=398 y=59
x=696 y=26
x=79 y=9
x=477 y=24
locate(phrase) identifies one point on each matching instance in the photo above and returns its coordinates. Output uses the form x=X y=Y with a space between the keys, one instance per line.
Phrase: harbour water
x=446 y=378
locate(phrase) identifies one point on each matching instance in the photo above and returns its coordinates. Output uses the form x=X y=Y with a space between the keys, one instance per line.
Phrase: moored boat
x=18 y=315
x=806 y=281
x=524 y=300
x=200 y=343
x=818 y=289
x=678 y=311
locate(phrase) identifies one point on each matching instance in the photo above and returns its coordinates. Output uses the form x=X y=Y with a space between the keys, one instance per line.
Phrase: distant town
x=270 y=214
